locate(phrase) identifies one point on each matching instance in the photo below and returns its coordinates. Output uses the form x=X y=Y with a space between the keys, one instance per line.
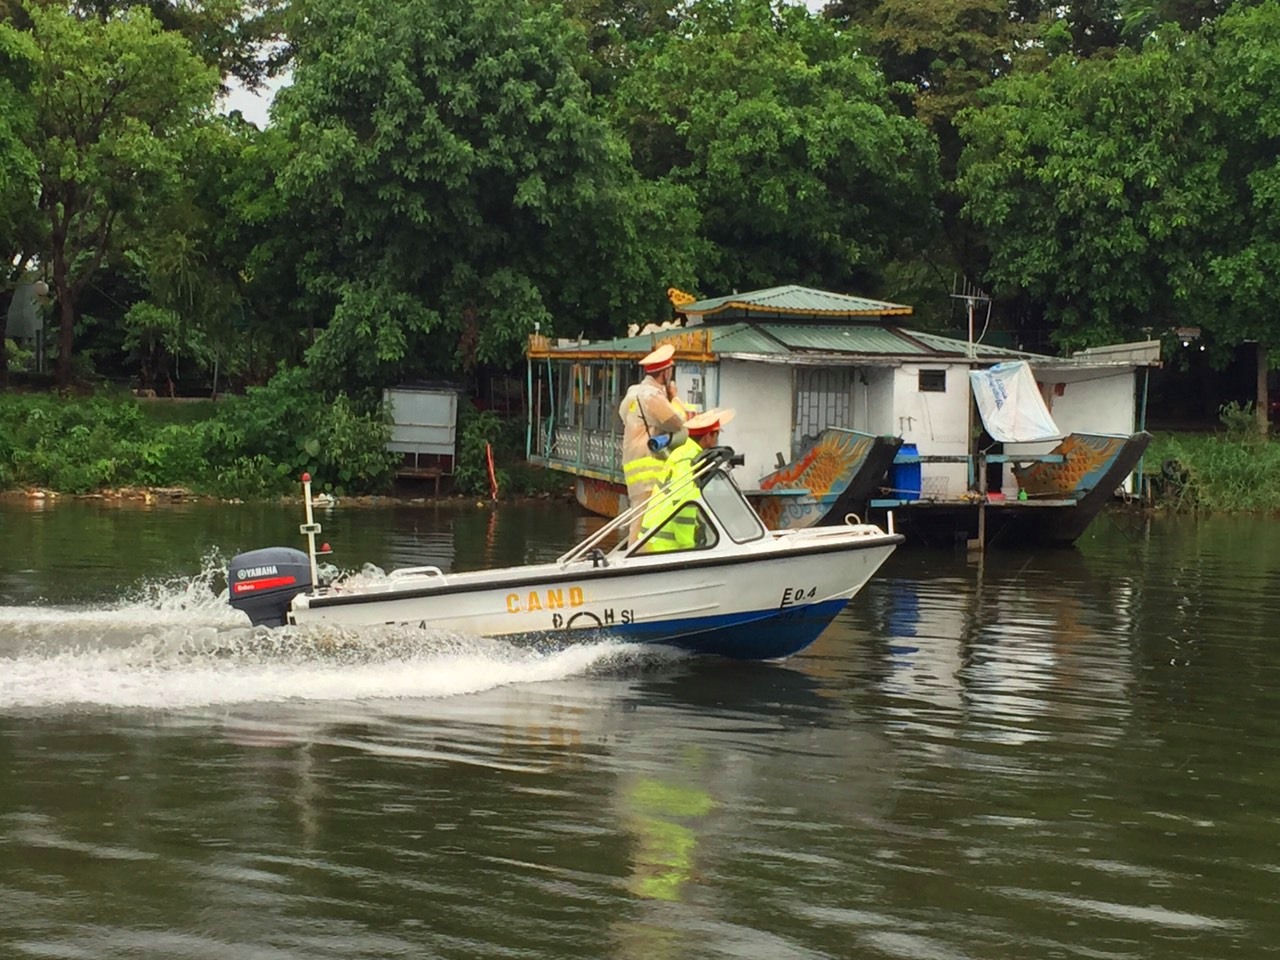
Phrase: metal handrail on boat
x=417 y=572
x=658 y=495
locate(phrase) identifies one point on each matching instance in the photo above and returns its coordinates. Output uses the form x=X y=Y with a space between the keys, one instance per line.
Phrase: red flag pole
x=493 y=477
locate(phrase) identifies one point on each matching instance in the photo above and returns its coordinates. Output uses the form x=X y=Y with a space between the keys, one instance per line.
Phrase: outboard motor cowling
x=264 y=582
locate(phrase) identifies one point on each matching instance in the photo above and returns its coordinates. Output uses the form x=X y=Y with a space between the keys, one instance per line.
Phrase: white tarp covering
x=1010 y=404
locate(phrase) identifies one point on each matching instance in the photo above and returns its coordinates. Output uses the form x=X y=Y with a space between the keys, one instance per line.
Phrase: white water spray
x=179 y=645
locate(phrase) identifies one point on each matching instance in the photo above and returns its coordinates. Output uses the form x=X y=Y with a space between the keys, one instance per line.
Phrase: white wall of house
x=698 y=385
x=1092 y=401
x=873 y=401
x=937 y=423
x=891 y=402
x=760 y=393
x=1087 y=401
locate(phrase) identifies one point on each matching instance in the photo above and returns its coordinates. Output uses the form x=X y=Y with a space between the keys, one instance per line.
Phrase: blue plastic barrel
x=905 y=477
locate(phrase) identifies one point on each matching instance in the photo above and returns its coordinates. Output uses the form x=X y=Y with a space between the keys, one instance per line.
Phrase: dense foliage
x=441 y=177
x=116 y=103
x=1127 y=194
x=1098 y=187
x=250 y=446
x=787 y=142
x=444 y=164
x=1232 y=470
x=483 y=432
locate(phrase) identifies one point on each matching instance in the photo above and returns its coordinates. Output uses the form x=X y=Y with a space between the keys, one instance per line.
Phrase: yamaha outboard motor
x=264 y=582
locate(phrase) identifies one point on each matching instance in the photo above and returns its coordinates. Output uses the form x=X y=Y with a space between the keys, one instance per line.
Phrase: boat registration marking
x=536 y=601
x=793 y=595
x=585 y=619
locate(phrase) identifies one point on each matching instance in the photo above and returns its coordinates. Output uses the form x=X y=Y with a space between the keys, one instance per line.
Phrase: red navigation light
x=325 y=548
x=306 y=478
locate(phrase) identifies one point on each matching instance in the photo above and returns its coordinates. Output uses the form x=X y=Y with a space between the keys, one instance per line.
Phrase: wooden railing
x=693 y=346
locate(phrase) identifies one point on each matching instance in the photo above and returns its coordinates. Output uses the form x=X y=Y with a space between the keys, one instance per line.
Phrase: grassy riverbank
x=1232 y=471
x=250 y=447
x=255 y=446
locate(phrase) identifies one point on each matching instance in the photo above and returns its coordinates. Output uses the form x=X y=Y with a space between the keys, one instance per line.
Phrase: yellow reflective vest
x=682 y=532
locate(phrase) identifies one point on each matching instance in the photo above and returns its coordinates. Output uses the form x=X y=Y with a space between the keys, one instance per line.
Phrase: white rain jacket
x=646 y=412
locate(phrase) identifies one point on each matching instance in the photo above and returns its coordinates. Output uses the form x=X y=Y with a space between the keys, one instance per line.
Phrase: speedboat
x=737 y=590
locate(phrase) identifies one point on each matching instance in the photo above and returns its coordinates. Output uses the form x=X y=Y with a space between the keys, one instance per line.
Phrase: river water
x=1062 y=754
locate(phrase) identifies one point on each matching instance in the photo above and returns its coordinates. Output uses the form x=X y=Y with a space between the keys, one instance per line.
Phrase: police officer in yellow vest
x=648 y=414
x=681 y=533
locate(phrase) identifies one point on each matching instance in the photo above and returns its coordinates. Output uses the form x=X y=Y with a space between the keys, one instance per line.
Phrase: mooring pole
x=982 y=503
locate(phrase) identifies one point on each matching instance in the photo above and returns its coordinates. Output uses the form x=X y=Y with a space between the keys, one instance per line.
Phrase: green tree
x=1243 y=84
x=20 y=226
x=449 y=183
x=244 y=39
x=113 y=100
x=1097 y=183
x=1141 y=18
x=944 y=52
x=802 y=169
x=617 y=30
x=938 y=56
x=190 y=260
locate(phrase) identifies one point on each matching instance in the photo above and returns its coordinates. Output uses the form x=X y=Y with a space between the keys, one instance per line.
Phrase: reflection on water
x=1002 y=658
x=1061 y=755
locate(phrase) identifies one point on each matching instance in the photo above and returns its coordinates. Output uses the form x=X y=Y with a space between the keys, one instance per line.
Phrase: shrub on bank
x=249 y=446
x=506 y=437
x=73 y=445
x=293 y=428
x=246 y=447
x=1219 y=473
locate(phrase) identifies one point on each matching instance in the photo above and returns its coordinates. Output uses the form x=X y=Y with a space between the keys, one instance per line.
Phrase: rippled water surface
x=1065 y=754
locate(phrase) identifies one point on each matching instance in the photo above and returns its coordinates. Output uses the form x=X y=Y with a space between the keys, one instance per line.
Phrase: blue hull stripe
x=752 y=635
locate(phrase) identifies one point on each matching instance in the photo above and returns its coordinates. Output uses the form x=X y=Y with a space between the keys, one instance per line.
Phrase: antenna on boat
x=972 y=295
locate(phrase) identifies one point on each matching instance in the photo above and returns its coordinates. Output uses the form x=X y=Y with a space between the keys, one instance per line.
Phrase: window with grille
x=822 y=400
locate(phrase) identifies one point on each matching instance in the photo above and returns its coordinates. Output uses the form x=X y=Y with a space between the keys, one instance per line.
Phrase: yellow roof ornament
x=679 y=298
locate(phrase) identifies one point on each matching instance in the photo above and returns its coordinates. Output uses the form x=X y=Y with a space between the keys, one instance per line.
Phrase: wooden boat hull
x=1063 y=498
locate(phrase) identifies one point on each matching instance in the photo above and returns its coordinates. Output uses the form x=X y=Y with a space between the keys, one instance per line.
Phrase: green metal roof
x=861 y=338
x=792 y=301
x=793 y=320
x=982 y=350
x=786 y=339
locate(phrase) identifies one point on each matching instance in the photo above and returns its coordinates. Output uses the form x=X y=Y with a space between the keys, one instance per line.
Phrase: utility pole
x=972 y=296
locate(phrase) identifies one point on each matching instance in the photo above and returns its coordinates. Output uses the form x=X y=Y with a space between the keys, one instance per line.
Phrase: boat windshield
x=688 y=528
x=725 y=500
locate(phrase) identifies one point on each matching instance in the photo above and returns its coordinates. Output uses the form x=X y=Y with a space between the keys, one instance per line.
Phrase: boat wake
x=178 y=645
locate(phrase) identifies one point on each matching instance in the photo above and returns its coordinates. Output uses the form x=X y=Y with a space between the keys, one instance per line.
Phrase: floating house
x=842 y=408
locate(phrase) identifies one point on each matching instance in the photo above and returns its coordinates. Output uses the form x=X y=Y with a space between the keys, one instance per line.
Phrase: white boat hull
x=703 y=574
x=766 y=602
